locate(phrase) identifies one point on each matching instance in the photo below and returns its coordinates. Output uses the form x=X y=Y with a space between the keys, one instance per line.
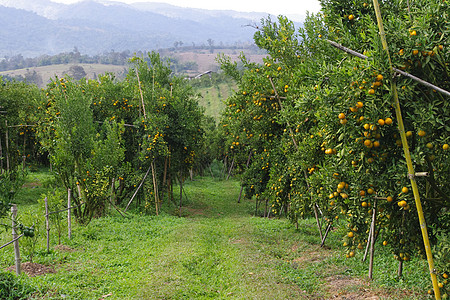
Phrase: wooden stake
x=69 y=213
x=318 y=222
x=7 y=146
x=142 y=182
x=155 y=186
x=47 y=224
x=16 y=242
x=1 y=155
x=140 y=91
x=181 y=192
x=231 y=169
x=400 y=268
x=325 y=236
x=368 y=243
x=372 y=239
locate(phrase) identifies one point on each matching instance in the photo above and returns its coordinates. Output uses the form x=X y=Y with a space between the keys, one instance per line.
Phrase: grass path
x=217 y=250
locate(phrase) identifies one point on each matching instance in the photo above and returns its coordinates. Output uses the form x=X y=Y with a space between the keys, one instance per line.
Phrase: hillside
x=44 y=27
x=48 y=72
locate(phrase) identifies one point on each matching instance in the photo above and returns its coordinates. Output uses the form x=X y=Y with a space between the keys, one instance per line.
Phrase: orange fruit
x=366 y=126
x=364 y=204
x=385 y=243
x=370 y=191
x=351 y=254
x=421 y=133
x=381 y=122
x=368 y=143
x=415 y=52
x=371 y=91
x=350 y=234
x=376 y=144
x=445 y=146
x=359 y=104
x=341 y=116
x=388 y=121
x=379 y=77
x=412 y=33
x=402 y=203
x=389 y=199
x=409 y=134
x=445 y=275
x=430 y=146
x=343 y=121
x=405 y=190
x=351 y=17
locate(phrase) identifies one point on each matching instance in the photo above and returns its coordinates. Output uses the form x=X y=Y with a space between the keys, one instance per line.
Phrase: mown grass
x=217 y=250
x=213 y=99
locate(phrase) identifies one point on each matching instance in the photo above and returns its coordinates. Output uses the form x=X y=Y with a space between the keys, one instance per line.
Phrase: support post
x=411 y=172
x=16 y=242
x=69 y=213
x=372 y=240
x=47 y=224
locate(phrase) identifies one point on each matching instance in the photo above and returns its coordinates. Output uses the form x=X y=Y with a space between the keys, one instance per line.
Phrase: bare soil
x=33 y=269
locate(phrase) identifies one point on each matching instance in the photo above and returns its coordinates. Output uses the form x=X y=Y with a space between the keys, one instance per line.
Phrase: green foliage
x=32 y=232
x=10 y=184
x=12 y=287
x=321 y=123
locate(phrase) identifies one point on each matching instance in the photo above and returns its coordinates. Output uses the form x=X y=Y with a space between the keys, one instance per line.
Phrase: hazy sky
x=284 y=7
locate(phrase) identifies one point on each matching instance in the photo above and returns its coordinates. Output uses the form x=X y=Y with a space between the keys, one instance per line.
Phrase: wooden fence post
x=69 y=214
x=16 y=242
x=47 y=224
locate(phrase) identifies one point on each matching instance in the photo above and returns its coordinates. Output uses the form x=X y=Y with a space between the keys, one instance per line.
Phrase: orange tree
x=337 y=144
x=173 y=120
x=103 y=135
x=18 y=102
x=371 y=147
x=85 y=154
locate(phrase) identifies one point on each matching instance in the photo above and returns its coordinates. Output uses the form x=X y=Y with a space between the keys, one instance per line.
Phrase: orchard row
x=322 y=131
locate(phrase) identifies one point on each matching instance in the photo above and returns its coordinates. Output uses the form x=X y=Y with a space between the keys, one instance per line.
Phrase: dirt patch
x=192 y=212
x=311 y=256
x=33 y=269
x=32 y=185
x=346 y=287
x=238 y=241
x=64 y=248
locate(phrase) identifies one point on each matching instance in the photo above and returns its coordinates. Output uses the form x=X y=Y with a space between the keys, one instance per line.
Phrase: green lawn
x=217 y=250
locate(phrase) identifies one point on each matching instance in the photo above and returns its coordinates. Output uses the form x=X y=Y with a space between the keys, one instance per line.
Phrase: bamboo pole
x=231 y=169
x=69 y=214
x=16 y=242
x=1 y=157
x=319 y=226
x=417 y=79
x=140 y=91
x=411 y=172
x=372 y=239
x=325 y=235
x=180 y=179
x=155 y=186
x=7 y=146
x=47 y=224
x=140 y=185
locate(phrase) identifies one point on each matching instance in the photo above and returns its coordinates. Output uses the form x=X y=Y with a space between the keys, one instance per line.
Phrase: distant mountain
x=36 y=27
